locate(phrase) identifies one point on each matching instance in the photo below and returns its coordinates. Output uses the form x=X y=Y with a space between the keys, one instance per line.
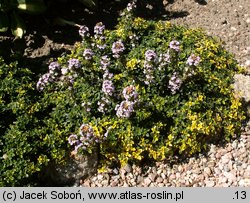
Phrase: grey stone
x=128 y=168
x=78 y=167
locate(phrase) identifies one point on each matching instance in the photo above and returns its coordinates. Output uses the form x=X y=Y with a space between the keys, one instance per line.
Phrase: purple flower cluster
x=86 y=138
x=117 y=48
x=88 y=54
x=149 y=66
x=74 y=63
x=99 y=29
x=84 y=31
x=174 y=83
x=175 y=45
x=107 y=75
x=124 y=109
x=50 y=77
x=69 y=74
x=164 y=59
x=131 y=6
x=108 y=87
x=99 y=36
x=193 y=60
x=103 y=104
x=73 y=139
x=150 y=56
x=130 y=93
x=54 y=68
x=105 y=62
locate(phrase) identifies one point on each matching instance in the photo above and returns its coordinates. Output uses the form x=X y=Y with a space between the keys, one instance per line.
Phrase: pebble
x=209 y=183
x=147 y=181
x=207 y=171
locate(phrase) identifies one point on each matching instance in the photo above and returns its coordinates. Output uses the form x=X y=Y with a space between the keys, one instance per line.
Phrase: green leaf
x=4 y=22
x=17 y=25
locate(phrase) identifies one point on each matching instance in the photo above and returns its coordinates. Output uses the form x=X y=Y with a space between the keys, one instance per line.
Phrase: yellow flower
x=140 y=23
x=131 y=64
x=120 y=32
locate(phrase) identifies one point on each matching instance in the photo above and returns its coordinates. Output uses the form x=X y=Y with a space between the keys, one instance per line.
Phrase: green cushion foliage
x=26 y=145
x=147 y=89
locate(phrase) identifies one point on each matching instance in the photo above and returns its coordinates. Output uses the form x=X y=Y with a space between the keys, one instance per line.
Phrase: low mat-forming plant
x=145 y=90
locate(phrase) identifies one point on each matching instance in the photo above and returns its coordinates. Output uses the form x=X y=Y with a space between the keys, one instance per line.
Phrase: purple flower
x=88 y=54
x=107 y=75
x=84 y=31
x=125 y=109
x=150 y=55
x=80 y=146
x=54 y=67
x=130 y=93
x=103 y=104
x=86 y=129
x=44 y=80
x=64 y=71
x=105 y=62
x=117 y=48
x=193 y=60
x=74 y=63
x=99 y=28
x=131 y=6
x=108 y=87
x=175 y=45
x=73 y=139
x=174 y=83
x=165 y=58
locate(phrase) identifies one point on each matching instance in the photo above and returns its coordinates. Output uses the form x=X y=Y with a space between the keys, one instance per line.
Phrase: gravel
x=222 y=166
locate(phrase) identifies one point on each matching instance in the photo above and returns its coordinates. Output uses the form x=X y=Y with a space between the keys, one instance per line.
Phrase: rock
x=116 y=177
x=245 y=182
x=128 y=168
x=152 y=176
x=86 y=183
x=116 y=171
x=217 y=155
x=147 y=181
x=171 y=177
x=247 y=63
x=180 y=168
x=246 y=174
x=211 y=164
x=207 y=171
x=163 y=175
x=139 y=179
x=105 y=183
x=99 y=177
x=114 y=183
x=217 y=171
x=225 y=159
x=159 y=180
x=77 y=168
x=161 y=185
x=230 y=176
x=210 y=183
